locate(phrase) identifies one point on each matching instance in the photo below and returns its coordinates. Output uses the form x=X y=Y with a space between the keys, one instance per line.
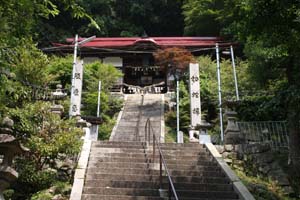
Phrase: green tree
x=131 y=18
x=269 y=32
x=201 y=17
x=110 y=105
x=49 y=139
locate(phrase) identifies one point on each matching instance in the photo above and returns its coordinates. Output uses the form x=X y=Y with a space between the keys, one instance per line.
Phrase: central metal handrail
x=148 y=130
x=137 y=128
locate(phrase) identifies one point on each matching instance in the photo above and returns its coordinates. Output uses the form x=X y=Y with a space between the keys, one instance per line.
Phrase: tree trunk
x=294 y=133
x=293 y=114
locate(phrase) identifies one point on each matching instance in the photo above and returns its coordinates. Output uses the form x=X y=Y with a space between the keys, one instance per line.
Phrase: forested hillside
x=267 y=33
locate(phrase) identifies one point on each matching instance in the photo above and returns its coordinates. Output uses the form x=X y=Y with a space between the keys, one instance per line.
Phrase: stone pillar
x=194 y=85
x=232 y=131
x=76 y=89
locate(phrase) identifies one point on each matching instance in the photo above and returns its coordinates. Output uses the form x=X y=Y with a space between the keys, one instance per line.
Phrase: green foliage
x=106 y=127
x=201 y=17
x=170 y=128
x=256 y=104
x=96 y=72
x=47 y=137
x=133 y=17
x=110 y=105
x=58 y=188
x=30 y=179
x=60 y=70
x=44 y=133
x=270 y=32
x=43 y=195
x=108 y=75
x=28 y=69
x=26 y=18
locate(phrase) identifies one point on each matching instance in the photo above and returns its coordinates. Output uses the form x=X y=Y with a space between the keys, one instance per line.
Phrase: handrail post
x=160 y=171
x=146 y=126
x=170 y=193
x=153 y=143
x=149 y=130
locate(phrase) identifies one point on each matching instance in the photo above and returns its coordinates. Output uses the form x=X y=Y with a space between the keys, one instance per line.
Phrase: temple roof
x=159 y=41
x=134 y=44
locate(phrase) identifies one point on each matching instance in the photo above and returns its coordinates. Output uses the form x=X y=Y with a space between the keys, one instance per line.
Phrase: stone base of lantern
x=1 y=196
x=204 y=138
x=192 y=134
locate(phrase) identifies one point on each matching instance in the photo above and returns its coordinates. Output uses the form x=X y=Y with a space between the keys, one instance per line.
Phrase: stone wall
x=255 y=160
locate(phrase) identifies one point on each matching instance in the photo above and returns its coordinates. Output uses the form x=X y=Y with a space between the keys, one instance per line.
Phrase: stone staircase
x=119 y=171
x=125 y=167
x=126 y=171
x=137 y=109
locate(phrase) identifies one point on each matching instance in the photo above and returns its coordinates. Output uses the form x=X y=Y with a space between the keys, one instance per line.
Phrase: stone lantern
x=9 y=147
x=203 y=128
x=232 y=131
x=58 y=95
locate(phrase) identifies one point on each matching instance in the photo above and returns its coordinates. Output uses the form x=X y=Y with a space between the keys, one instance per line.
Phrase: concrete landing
x=137 y=109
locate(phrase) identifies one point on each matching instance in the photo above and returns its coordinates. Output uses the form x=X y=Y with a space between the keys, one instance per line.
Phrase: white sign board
x=115 y=61
x=76 y=89
x=88 y=60
x=195 y=94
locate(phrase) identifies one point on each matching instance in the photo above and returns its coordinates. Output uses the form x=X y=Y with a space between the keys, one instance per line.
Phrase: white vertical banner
x=76 y=89
x=194 y=82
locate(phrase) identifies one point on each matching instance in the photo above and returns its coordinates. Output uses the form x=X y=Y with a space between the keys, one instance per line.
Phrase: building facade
x=133 y=56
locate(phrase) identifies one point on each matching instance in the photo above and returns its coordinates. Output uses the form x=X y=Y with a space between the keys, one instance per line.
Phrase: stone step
x=182 y=145
x=119 y=144
x=177 y=150
x=115 y=197
x=143 y=155
x=209 y=166
x=156 y=172
x=144 y=158
x=122 y=143
x=199 y=198
x=125 y=146
x=177 y=153
x=150 y=168
x=132 y=171
x=155 y=178
x=183 y=166
x=94 y=164
x=127 y=123
x=143 y=184
x=116 y=159
x=206 y=194
x=123 y=155
x=117 y=150
x=182 y=148
x=191 y=152
x=121 y=191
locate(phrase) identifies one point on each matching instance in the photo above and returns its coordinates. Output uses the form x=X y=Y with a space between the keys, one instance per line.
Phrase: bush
x=48 y=137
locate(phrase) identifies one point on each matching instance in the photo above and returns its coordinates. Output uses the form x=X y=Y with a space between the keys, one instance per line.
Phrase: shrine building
x=133 y=56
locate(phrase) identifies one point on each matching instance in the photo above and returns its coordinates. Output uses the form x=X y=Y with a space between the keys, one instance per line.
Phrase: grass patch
x=263 y=189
